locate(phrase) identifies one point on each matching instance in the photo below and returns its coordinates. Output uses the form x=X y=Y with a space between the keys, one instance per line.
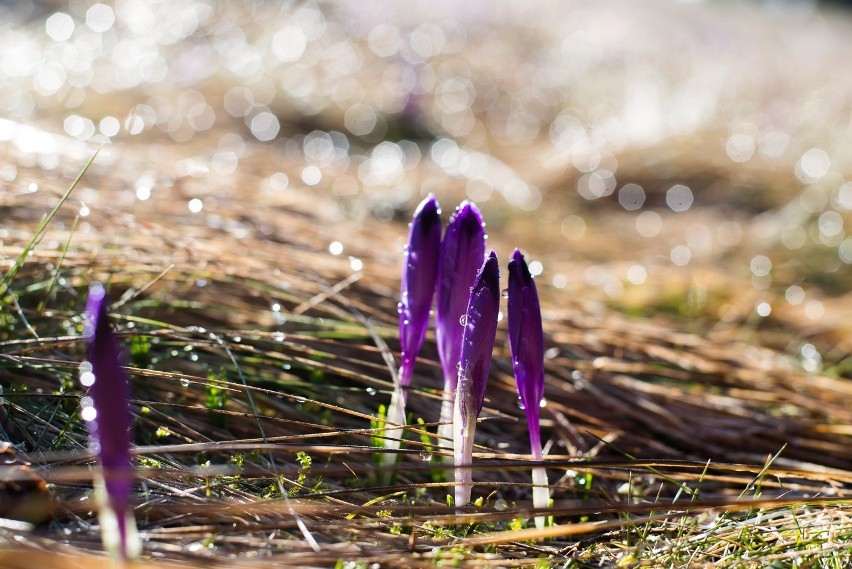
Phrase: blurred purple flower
x=419 y=277
x=106 y=412
x=462 y=255
x=526 y=342
x=480 y=330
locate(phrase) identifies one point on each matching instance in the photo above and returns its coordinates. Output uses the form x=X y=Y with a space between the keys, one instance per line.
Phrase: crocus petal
x=480 y=330
x=106 y=413
x=419 y=277
x=526 y=342
x=526 y=338
x=462 y=254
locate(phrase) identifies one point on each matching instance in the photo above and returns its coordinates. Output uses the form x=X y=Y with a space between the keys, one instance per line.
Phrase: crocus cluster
x=105 y=410
x=468 y=303
x=450 y=266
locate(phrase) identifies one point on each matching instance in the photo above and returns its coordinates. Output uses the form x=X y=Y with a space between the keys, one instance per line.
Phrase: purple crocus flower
x=419 y=276
x=526 y=342
x=107 y=415
x=462 y=254
x=480 y=330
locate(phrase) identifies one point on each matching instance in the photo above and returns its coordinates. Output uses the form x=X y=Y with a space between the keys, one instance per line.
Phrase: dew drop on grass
x=184 y=382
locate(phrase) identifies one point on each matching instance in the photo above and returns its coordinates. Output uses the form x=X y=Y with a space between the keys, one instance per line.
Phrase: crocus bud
x=526 y=342
x=419 y=276
x=462 y=254
x=480 y=330
x=106 y=412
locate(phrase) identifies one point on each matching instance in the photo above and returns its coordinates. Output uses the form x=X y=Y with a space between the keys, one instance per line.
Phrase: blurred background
x=674 y=160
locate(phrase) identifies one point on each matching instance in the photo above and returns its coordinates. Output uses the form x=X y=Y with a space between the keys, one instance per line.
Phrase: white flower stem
x=121 y=540
x=541 y=490
x=445 y=429
x=464 y=430
x=393 y=435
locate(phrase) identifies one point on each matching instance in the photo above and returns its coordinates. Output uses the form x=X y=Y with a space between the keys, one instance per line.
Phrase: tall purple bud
x=106 y=412
x=480 y=330
x=419 y=277
x=462 y=255
x=526 y=342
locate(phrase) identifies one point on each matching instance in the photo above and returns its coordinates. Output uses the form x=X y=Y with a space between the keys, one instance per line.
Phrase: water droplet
x=87 y=379
x=371 y=391
x=88 y=413
x=542 y=403
x=463 y=320
x=279 y=336
x=237 y=339
x=425 y=456
x=521 y=404
x=504 y=293
x=184 y=382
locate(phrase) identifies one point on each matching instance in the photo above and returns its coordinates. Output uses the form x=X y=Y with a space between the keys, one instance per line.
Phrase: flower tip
x=428 y=207
x=94 y=307
x=491 y=269
x=519 y=271
x=97 y=291
x=469 y=219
